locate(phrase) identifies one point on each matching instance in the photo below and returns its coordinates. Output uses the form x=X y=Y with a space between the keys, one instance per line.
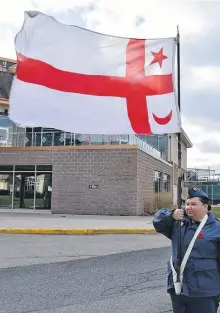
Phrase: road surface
x=130 y=278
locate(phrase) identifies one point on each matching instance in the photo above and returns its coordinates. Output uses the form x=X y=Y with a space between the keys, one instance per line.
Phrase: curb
x=72 y=231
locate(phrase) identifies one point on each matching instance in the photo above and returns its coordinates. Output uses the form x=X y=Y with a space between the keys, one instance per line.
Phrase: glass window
x=166 y=183
x=25 y=168
x=163 y=144
x=157 y=181
x=152 y=140
x=33 y=129
x=4 y=168
x=5 y=121
x=29 y=130
x=44 y=168
x=4 y=131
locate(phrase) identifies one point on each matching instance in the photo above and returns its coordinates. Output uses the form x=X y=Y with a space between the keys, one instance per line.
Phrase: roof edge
x=8 y=60
x=185 y=139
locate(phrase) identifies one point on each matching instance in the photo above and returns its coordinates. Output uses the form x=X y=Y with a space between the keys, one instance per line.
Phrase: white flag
x=81 y=81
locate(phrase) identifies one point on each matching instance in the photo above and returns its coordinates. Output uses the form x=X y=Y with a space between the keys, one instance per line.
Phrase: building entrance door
x=6 y=183
x=26 y=186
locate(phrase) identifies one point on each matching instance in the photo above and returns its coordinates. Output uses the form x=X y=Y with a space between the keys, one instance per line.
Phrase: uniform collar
x=211 y=219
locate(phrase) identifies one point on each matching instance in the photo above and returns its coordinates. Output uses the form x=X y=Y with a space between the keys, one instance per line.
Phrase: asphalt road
x=19 y=250
x=128 y=282
x=91 y=274
x=132 y=281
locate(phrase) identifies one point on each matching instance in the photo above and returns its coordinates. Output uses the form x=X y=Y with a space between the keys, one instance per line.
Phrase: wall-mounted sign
x=93 y=186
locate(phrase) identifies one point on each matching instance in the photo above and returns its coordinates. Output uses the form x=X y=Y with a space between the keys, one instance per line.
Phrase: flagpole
x=179 y=188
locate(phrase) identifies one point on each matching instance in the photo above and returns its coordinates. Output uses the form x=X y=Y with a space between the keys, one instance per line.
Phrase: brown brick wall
x=29 y=157
x=146 y=166
x=124 y=176
x=114 y=170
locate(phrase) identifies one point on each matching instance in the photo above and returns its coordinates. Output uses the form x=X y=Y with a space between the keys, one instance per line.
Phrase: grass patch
x=216 y=211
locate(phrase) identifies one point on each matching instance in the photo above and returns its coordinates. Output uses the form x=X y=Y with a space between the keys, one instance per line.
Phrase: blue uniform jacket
x=201 y=276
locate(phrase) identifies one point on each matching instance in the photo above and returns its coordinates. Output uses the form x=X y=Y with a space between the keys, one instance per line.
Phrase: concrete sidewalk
x=27 y=221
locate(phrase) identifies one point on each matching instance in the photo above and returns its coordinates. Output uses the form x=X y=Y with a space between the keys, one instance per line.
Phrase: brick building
x=86 y=174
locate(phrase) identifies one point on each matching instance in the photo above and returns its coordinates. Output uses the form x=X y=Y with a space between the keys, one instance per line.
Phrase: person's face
x=195 y=209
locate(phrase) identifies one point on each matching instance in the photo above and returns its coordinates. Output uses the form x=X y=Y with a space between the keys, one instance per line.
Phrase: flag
x=80 y=81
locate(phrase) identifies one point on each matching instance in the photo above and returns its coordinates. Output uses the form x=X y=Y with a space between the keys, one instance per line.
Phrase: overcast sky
x=199 y=23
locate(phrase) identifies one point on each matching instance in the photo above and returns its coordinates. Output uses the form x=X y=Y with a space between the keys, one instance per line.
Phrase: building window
x=166 y=183
x=159 y=142
x=151 y=139
x=157 y=181
x=5 y=121
x=163 y=144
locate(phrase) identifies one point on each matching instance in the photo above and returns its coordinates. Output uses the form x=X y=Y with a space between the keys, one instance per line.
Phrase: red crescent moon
x=163 y=120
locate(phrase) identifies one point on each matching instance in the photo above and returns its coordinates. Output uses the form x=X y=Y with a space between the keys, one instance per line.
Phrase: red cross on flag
x=81 y=81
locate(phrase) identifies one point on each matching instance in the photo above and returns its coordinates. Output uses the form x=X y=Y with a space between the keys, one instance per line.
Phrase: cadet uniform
x=201 y=278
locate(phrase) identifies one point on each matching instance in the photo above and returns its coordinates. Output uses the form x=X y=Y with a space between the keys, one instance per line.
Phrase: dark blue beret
x=195 y=192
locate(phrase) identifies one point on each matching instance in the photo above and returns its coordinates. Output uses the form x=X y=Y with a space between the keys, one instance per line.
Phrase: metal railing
x=59 y=138
x=4 y=135
x=146 y=147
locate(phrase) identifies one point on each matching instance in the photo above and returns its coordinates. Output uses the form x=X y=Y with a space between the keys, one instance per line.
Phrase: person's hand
x=178 y=214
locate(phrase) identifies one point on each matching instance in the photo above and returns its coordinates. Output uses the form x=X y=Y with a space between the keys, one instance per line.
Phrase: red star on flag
x=158 y=57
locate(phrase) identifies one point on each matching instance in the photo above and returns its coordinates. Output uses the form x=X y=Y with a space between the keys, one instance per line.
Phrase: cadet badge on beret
x=194 y=188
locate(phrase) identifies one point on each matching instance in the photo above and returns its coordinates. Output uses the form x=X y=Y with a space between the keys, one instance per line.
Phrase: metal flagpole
x=179 y=193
